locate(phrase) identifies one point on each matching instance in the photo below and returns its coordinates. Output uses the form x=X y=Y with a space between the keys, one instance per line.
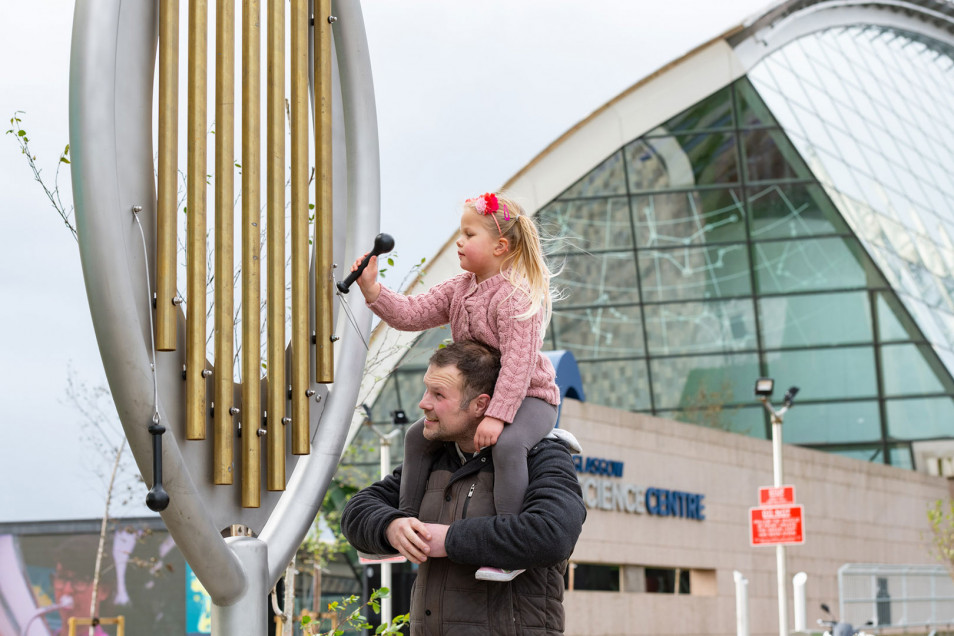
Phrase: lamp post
x=398 y=417
x=763 y=389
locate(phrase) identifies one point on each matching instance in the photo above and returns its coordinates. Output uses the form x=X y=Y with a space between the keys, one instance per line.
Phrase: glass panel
x=586 y=224
x=700 y=327
x=832 y=423
x=681 y=162
x=825 y=373
x=920 y=418
x=605 y=179
x=735 y=419
x=871 y=453
x=815 y=319
x=901 y=456
x=594 y=577
x=910 y=369
x=694 y=273
x=683 y=218
x=410 y=390
x=663 y=581
x=699 y=380
x=648 y=170
x=808 y=265
x=770 y=156
x=793 y=210
x=598 y=332
x=869 y=139
x=714 y=111
x=752 y=111
x=589 y=279
x=619 y=384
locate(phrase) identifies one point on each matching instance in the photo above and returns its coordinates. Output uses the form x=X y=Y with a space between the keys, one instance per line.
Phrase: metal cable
x=152 y=337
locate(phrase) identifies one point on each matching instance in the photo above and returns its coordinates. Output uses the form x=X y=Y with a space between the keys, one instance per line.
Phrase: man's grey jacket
x=446 y=599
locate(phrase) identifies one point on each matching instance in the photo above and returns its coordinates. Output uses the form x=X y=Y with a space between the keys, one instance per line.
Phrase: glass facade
x=797 y=224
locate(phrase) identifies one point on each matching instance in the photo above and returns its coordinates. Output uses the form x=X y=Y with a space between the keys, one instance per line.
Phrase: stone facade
x=855 y=512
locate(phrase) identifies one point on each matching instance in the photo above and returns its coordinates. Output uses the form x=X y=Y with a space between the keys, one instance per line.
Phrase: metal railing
x=895 y=595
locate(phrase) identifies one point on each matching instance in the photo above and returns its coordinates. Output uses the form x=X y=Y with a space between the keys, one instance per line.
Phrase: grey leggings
x=534 y=420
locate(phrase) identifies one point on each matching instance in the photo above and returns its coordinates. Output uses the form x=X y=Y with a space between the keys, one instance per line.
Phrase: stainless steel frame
x=111 y=78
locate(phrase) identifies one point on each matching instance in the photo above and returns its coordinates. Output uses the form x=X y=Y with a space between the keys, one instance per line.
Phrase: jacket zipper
x=470 y=494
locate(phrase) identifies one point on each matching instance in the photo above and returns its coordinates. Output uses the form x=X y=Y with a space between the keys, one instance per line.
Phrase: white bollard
x=741 y=604
x=798 y=607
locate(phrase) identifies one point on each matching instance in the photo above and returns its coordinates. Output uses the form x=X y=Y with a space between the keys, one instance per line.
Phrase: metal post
x=385 y=440
x=741 y=604
x=386 y=567
x=798 y=607
x=248 y=614
x=779 y=549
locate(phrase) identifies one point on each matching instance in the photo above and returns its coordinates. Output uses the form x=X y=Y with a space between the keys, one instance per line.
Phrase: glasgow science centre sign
x=603 y=489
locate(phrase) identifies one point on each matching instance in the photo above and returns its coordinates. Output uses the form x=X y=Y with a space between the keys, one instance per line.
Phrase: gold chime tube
x=222 y=448
x=251 y=271
x=167 y=167
x=196 y=222
x=324 y=289
x=299 y=227
x=275 y=202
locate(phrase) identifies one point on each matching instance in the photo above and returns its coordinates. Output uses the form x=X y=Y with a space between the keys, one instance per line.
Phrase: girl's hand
x=488 y=431
x=368 y=281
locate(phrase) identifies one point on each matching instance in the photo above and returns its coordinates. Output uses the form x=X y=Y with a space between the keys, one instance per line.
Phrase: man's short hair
x=478 y=364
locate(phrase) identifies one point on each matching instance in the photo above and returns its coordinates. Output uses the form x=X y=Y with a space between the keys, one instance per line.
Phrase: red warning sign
x=776 y=495
x=777 y=525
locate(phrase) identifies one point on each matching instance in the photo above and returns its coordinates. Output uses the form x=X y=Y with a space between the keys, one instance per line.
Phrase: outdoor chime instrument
x=196 y=433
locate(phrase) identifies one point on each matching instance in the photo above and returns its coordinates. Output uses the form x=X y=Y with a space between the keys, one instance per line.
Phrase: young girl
x=503 y=300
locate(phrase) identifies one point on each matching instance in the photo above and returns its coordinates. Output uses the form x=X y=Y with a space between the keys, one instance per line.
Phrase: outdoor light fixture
x=790 y=395
x=764 y=386
x=399 y=417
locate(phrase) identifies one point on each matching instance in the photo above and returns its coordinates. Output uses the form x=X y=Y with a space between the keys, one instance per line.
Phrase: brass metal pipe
x=275 y=205
x=196 y=268
x=166 y=177
x=324 y=285
x=222 y=449
x=300 y=342
x=251 y=252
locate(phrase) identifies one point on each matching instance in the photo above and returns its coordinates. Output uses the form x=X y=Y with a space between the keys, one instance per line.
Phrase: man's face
x=444 y=419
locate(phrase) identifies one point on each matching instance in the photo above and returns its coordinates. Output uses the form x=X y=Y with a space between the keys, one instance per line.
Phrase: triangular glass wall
x=706 y=254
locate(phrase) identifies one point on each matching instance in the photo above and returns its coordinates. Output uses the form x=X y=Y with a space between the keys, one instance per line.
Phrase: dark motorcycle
x=835 y=627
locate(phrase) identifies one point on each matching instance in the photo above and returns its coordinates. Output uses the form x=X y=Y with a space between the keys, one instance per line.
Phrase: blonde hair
x=525 y=266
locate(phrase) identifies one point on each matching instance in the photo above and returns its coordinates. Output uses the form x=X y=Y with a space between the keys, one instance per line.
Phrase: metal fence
x=895 y=595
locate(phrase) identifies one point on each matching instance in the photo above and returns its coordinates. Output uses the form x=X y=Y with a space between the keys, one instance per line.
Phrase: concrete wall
x=855 y=512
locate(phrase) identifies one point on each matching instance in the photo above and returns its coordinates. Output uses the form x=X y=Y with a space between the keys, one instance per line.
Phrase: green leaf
x=64 y=160
x=390 y=261
x=305 y=620
x=22 y=133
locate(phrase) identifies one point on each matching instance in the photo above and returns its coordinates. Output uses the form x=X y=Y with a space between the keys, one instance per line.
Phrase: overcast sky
x=467 y=94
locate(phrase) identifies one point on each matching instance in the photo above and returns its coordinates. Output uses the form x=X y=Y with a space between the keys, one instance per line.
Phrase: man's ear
x=480 y=404
x=502 y=246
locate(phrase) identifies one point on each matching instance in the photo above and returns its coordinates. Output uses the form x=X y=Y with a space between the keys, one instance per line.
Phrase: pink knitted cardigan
x=483 y=312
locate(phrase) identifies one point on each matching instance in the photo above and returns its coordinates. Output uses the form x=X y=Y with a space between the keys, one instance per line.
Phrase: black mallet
x=383 y=243
x=157 y=499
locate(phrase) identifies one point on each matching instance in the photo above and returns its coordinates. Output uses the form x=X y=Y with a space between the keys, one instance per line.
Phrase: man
x=457 y=530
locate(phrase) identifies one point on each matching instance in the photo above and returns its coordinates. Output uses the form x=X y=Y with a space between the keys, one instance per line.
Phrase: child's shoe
x=496 y=574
